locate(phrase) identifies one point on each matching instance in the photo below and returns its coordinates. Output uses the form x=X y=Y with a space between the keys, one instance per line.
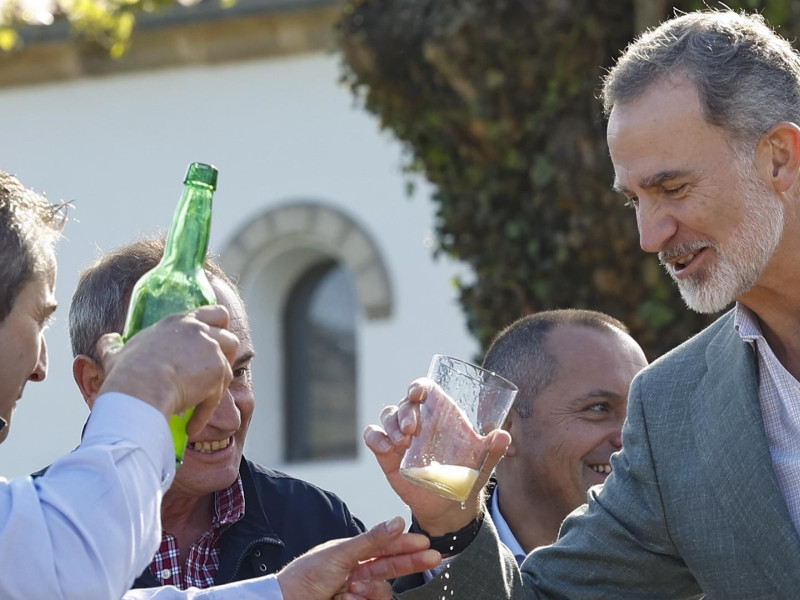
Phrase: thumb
x=373 y=542
x=498 y=441
x=202 y=413
x=108 y=346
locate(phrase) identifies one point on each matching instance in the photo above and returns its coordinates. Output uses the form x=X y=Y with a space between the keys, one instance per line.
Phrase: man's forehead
x=239 y=324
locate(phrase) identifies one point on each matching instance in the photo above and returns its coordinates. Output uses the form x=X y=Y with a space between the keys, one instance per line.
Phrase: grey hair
x=100 y=302
x=29 y=229
x=746 y=75
x=519 y=352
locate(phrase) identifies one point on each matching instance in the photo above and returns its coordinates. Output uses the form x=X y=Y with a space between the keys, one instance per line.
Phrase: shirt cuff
x=261 y=588
x=122 y=416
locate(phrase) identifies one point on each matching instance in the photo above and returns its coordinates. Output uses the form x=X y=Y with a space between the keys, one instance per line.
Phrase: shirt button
x=166 y=574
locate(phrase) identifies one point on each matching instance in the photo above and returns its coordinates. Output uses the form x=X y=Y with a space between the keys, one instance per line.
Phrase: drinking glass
x=447 y=453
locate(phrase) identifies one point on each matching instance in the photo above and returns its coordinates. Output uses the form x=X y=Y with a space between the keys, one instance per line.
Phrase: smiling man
x=87 y=526
x=103 y=498
x=704 y=135
x=224 y=518
x=573 y=369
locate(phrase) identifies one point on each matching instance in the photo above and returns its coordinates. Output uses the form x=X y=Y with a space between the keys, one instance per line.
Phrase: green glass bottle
x=178 y=282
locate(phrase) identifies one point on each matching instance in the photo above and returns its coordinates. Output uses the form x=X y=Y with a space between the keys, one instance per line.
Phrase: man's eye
x=673 y=191
x=241 y=372
x=599 y=407
x=632 y=202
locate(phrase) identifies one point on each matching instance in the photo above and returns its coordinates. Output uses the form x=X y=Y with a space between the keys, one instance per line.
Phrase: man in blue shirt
x=573 y=369
x=89 y=525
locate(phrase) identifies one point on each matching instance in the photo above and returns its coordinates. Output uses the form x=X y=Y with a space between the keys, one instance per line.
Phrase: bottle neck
x=187 y=242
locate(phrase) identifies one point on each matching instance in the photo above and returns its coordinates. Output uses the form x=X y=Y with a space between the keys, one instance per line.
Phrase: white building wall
x=279 y=130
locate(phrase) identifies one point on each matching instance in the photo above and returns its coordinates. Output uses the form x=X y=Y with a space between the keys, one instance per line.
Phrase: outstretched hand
x=357 y=568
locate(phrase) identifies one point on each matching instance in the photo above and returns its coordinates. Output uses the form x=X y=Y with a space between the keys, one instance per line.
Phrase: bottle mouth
x=201 y=173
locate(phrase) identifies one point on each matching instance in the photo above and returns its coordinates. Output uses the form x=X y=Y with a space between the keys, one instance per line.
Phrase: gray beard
x=740 y=264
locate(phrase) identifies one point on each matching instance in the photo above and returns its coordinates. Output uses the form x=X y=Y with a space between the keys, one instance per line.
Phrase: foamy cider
x=451 y=481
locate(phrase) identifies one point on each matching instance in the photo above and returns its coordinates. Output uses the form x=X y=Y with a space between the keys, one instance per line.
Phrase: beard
x=743 y=257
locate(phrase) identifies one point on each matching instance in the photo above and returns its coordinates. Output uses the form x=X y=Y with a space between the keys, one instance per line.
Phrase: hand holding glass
x=447 y=454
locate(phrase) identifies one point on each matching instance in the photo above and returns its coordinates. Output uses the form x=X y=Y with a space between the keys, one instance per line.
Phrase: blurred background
x=398 y=178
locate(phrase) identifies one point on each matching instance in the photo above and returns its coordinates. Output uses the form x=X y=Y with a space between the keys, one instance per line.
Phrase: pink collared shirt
x=779 y=396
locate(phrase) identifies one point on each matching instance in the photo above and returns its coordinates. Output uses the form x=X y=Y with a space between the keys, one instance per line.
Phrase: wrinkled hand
x=435 y=514
x=180 y=362
x=357 y=568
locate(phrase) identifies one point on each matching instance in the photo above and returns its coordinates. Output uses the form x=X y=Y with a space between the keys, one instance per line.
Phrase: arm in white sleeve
x=263 y=588
x=92 y=522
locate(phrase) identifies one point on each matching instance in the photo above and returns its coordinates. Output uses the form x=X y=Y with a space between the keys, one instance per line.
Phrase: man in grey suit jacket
x=704 y=497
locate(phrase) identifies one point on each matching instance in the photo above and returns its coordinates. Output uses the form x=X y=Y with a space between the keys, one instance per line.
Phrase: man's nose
x=40 y=370
x=656 y=226
x=227 y=414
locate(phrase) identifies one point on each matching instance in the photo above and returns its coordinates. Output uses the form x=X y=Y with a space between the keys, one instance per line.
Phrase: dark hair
x=747 y=76
x=100 y=302
x=29 y=229
x=519 y=352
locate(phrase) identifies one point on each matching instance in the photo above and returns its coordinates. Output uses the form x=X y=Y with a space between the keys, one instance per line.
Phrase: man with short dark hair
x=101 y=500
x=573 y=369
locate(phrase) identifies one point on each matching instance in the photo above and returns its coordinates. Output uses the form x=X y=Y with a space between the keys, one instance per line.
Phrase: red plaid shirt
x=202 y=564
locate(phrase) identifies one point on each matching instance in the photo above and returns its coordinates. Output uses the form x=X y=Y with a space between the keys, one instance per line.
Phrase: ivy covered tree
x=497 y=104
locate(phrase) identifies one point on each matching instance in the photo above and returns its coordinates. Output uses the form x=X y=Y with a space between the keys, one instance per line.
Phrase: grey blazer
x=692 y=506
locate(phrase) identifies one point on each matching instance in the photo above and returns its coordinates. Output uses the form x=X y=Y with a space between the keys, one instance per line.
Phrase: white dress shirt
x=263 y=588
x=91 y=523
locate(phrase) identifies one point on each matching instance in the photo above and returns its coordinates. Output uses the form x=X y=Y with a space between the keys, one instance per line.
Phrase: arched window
x=310 y=276
x=320 y=343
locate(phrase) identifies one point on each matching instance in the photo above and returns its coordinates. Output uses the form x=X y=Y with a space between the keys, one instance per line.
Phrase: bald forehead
x=572 y=339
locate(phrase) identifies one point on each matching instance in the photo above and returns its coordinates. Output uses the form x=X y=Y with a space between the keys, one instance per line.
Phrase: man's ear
x=89 y=376
x=779 y=154
x=513 y=416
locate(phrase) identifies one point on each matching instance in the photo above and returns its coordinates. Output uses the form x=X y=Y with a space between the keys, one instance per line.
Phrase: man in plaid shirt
x=224 y=518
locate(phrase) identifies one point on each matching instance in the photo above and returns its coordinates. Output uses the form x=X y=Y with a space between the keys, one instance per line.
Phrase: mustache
x=667 y=256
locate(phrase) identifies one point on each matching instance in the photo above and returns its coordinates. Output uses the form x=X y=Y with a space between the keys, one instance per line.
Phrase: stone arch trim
x=313 y=225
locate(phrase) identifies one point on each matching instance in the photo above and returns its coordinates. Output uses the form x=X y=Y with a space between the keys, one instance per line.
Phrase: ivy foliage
x=497 y=104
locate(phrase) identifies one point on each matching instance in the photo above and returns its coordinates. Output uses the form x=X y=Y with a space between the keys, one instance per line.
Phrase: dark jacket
x=284 y=517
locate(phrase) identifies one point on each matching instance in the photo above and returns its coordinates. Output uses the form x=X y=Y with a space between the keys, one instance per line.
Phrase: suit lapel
x=734 y=454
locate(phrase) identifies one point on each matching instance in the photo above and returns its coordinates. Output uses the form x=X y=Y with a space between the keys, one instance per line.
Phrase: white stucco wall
x=278 y=130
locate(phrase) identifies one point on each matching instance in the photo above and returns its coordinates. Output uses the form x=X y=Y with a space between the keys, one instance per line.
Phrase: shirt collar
x=503 y=530
x=229 y=504
x=747 y=324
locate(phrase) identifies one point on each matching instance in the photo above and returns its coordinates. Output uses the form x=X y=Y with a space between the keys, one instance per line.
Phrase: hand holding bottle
x=178 y=283
x=180 y=362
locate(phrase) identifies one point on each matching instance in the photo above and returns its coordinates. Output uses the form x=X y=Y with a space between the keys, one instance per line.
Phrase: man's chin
x=703 y=301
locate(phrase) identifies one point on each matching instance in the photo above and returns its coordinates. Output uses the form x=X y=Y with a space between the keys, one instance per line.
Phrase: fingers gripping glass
x=449 y=450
